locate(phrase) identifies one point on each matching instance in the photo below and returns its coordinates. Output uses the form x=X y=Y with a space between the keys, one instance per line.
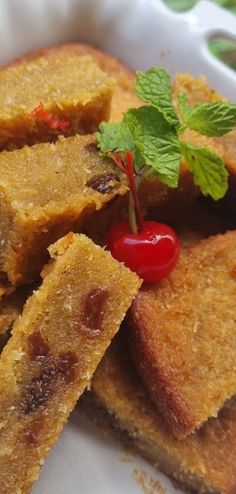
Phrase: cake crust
x=11 y=307
x=47 y=85
x=182 y=335
x=54 y=350
x=154 y=195
x=203 y=463
x=124 y=96
x=45 y=191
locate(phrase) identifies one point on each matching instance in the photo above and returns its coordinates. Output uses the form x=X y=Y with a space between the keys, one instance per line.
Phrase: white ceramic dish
x=142 y=33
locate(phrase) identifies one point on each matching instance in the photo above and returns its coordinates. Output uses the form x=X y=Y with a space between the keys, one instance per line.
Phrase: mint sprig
x=184 y=108
x=208 y=169
x=152 y=134
x=154 y=87
x=156 y=142
x=214 y=119
x=115 y=137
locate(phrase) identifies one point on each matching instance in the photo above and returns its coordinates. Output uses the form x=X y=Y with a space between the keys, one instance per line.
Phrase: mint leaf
x=151 y=134
x=215 y=119
x=208 y=169
x=184 y=109
x=154 y=87
x=115 y=137
x=156 y=141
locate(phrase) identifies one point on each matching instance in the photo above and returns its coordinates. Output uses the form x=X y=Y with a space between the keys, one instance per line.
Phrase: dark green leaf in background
x=221 y=48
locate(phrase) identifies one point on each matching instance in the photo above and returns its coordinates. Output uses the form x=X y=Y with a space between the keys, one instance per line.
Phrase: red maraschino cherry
x=151 y=250
x=152 y=253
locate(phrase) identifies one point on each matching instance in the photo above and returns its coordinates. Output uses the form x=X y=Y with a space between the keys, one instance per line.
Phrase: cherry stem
x=118 y=161
x=135 y=212
x=132 y=216
x=133 y=189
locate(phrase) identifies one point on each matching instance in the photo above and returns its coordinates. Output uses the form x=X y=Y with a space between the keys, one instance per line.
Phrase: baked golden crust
x=54 y=350
x=45 y=191
x=197 y=92
x=49 y=83
x=196 y=88
x=156 y=198
x=124 y=96
x=204 y=462
x=11 y=307
x=182 y=335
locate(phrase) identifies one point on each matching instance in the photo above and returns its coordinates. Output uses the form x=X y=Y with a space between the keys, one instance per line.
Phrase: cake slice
x=124 y=96
x=54 y=350
x=183 y=338
x=11 y=307
x=36 y=96
x=157 y=199
x=45 y=191
x=198 y=91
x=154 y=195
x=204 y=462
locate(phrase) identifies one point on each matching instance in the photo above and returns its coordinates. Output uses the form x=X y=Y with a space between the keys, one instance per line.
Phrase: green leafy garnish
x=184 y=109
x=156 y=142
x=209 y=171
x=180 y=5
x=154 y=87
x=214 y=119
x=152 y=134
x=115 y=137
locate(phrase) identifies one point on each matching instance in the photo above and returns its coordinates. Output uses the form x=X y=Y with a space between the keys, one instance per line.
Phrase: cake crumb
x=147 y=483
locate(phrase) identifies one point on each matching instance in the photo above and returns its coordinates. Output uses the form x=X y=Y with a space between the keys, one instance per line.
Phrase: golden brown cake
x=204 y=463
x=11 y=307
x=196 y=88
x=5 y=287
x=157 y=199
x=54 y=350
x=46 y=191
x=69 y=88
x=124 y=96
x=183 y=338
x=198 y=91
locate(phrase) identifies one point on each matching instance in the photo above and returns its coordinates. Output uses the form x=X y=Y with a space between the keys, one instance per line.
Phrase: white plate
x=142 y=33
